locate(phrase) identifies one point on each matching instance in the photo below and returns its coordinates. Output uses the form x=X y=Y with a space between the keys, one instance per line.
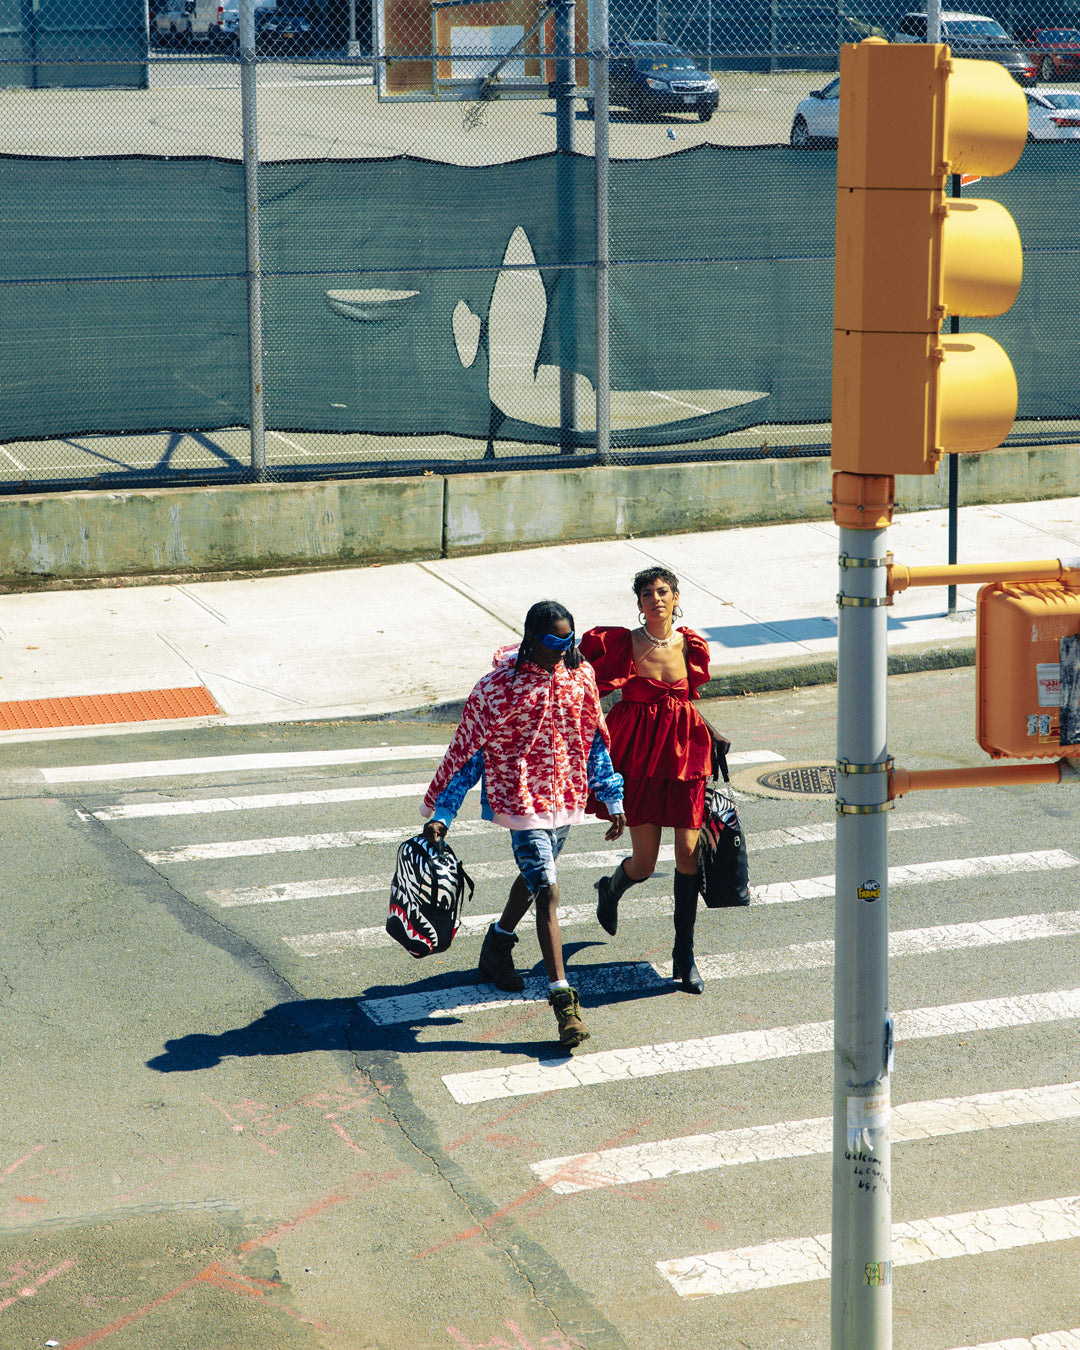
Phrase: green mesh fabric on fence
x=123 y=299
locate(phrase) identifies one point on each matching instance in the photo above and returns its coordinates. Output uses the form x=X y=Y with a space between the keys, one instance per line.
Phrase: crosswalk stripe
x=321 y=944
x=218 y=805
x=472 y=925
x=285 y=759
x=663 y=1158
x=747 y=1047
x=300 y=843
x=1047 y=1340
x=799 y=1260
x=950 y=869
x=462 y=999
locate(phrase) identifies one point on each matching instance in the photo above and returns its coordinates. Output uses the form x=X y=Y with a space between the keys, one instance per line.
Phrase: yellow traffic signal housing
x=1027 y=668
x=907 y=255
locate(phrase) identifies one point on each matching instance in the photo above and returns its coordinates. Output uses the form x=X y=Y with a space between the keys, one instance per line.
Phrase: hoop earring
x=641 y=618
x=676 y=613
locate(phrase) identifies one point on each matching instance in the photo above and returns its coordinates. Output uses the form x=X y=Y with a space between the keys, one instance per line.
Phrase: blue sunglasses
x=557 y=644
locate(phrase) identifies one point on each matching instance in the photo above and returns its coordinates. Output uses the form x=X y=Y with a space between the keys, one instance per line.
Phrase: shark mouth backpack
x=426 y=896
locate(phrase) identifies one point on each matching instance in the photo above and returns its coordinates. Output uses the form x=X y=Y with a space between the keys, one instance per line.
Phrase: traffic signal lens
x=983 y=259
x=977 y=394
x=986 y=120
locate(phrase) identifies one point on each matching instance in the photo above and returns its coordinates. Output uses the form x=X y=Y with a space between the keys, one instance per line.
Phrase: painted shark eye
x=466 y=333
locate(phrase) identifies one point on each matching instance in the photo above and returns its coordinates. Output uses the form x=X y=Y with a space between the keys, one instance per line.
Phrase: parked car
x=1056 y=52
x=976 y=36
x=651 y=78
x=283 y=30
x=817 y=117
x=1053 y=115
x=170 y=23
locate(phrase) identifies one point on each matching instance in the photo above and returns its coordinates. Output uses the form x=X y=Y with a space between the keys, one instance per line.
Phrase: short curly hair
x=650 y=574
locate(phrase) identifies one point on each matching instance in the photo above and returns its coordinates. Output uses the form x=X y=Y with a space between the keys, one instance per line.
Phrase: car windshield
x=1061 y=35
x=1063 y=100
x=976 y=28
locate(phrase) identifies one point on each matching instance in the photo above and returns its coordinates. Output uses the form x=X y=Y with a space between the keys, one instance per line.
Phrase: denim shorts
x=535 y=852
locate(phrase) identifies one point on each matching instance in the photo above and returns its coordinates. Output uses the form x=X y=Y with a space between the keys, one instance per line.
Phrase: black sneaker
x=571 y=1028
x=497 y=961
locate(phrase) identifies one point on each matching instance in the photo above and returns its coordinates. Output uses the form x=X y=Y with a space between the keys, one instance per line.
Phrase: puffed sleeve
x=697 y=660
x=610 y=652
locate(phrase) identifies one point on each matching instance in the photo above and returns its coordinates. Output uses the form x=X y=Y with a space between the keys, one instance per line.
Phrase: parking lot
x=330 y=111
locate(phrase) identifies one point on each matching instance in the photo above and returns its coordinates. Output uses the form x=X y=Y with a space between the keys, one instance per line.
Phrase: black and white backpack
x=426 y=896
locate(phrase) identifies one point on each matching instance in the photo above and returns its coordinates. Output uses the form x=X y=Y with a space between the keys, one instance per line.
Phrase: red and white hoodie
x=537 y=739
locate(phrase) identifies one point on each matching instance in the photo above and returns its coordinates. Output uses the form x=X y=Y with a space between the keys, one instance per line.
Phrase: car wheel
x=1046 y=70
x=641 y=112
x=705 y=114
x=800 y=133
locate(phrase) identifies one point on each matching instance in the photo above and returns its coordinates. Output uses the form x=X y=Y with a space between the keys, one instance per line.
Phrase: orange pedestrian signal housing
x=1027 y=668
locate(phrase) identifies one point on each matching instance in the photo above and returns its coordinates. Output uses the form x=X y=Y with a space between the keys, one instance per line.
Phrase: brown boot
x=571 y=1028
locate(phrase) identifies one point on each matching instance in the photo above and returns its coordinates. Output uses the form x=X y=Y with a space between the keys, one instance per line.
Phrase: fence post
x=566 y=213
x=249 y=133
x=601 y=59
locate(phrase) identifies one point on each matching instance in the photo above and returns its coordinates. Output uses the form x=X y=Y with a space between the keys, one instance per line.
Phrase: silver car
x=1053 y=116
x=817 y=118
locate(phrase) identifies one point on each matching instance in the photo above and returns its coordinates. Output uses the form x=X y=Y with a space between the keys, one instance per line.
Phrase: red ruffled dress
x=659 y=744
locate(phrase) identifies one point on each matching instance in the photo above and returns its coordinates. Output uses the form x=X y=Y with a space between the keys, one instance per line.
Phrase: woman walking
x=662 y=748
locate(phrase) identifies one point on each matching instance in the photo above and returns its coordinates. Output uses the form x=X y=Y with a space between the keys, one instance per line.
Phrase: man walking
x=533 y=731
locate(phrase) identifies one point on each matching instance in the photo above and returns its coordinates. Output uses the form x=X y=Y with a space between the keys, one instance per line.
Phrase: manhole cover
x=785 y=780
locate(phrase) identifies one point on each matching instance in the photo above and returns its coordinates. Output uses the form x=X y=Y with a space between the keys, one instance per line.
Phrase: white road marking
x=802 y=1138
x=291 y=759
x=454 y=1002
x=799 y=1260
x=789 y=891
x=748 y=1047
x=472 y=925
x=950 y=869
x=1047 y=1340
x=216 y=805
x=207 y=806
x=590 y=982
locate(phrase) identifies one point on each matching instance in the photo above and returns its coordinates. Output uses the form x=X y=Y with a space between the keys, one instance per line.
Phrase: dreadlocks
x=542 y=618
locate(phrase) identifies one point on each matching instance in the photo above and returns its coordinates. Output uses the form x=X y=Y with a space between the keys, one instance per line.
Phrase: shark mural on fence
x=525 y=390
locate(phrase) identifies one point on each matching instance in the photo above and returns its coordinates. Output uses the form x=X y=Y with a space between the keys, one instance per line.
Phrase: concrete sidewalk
x=370 y=641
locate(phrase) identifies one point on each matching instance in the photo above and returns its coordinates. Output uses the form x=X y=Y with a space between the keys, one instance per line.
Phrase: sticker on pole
x=865 y=1116
x=869 y=890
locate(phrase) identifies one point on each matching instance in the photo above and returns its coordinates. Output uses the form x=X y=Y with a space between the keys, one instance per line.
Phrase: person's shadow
x=302 y=1026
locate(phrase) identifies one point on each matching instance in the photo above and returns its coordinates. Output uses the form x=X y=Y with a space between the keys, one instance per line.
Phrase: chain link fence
x=313 y=239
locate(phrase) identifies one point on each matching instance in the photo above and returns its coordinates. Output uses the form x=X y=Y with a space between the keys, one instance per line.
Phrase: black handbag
x=426 y=896
x=722 y=865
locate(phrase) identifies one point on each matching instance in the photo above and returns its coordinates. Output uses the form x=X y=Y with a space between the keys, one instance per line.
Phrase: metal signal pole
x=862 y=1034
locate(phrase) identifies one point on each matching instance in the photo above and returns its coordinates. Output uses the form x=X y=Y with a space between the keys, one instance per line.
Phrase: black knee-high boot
x=608 y=891
x=682 y=957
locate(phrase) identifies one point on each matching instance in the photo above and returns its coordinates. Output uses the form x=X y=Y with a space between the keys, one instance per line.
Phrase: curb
x=760 y=678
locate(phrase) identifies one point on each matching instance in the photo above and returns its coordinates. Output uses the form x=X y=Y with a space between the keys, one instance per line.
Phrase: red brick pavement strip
x=84 y=710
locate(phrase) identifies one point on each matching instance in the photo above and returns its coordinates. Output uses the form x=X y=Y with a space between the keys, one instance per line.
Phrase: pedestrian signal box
x=1027 y=668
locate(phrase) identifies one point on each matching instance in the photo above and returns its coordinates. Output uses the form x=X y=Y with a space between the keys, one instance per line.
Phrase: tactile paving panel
x=87 y=710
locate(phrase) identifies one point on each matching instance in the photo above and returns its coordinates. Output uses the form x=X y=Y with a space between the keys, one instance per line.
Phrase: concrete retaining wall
x=170 y=530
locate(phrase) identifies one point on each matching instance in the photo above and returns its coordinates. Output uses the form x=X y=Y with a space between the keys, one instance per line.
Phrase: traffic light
x=907 y=255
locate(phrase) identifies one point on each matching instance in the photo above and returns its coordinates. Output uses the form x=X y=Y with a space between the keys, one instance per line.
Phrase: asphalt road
x=236 y=1116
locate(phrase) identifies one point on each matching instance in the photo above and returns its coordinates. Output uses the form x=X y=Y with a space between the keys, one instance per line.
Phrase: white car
x=1053 y=115
x=817 y=118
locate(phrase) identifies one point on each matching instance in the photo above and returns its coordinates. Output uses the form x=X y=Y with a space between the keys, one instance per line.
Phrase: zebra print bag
x=426 y=896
